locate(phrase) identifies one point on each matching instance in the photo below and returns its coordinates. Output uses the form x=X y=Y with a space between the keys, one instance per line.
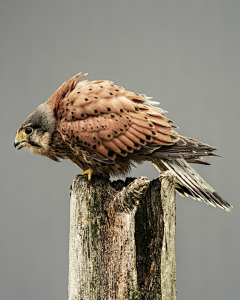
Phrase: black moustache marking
x=34 y=144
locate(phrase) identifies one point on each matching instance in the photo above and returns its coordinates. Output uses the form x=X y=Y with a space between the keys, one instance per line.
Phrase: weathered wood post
x=122 y=239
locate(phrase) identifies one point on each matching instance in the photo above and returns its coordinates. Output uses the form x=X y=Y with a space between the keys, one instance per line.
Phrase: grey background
x=183 y=53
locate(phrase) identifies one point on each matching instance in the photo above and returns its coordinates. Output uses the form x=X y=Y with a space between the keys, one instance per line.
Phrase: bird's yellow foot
x=89 y=173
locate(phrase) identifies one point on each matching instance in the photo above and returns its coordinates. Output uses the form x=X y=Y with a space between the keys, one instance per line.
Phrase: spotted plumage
x=104 y=128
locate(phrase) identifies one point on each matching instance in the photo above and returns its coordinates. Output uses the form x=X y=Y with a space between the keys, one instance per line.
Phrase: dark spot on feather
x=141 y=141
x=148 y=137
x=86 y=99
x=125 y=125
x=127 y=118
x=67 y=135
x=52 y=139
x=109 y=109
x=136 y=109
x=87 y=115
x=81 y=141
x=82 y=115
x=85 y=143
x=72 y=112
x=67 y=109
x=120 y=116
x=91 y=127
x=123 y=151
x=77 y=138
x=129 y=148
x=146 y=118
x=121 y=129
x=117 y=90
x=136 y=94
x=154 y=132
x=109 y=135
x=96 y=111
x=121 y=110
x=73 y=136
x=94 y=147
x=111 y=94
x=110 y=153
x=77 y=93
x=115 y=132
x=102 y=113
x=94 y=138
x=98 y=143
x=101 y=86
x=136 y=145
x=112 y=116
x=102 y=126
x=150 y=125
x=88 y=144
x=96 y=97
x=90 y=89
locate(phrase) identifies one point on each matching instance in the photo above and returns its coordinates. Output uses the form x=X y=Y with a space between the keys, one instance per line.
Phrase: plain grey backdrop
x=185 y=54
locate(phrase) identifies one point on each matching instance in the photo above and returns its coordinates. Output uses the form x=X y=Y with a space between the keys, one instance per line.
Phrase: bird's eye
x=27 y=131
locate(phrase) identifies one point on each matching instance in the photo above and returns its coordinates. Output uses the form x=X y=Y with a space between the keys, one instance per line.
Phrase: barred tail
x=190 y=183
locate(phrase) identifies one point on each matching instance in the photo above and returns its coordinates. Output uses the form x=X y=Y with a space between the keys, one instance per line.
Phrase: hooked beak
x=19 y=142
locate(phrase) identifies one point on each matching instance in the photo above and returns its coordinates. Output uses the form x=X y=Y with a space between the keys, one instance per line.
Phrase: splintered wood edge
x=168 y=261
x=128 y=198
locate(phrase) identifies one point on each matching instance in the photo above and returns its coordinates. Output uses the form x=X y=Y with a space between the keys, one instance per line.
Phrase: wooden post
x=122 y=239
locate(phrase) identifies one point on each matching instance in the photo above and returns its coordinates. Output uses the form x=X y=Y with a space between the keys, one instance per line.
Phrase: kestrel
x=105 y=129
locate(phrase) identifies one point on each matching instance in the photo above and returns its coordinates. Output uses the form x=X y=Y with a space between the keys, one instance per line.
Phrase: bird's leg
x=89 y=173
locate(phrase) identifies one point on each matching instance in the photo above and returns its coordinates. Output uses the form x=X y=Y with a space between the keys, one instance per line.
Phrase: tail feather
x=190 y=183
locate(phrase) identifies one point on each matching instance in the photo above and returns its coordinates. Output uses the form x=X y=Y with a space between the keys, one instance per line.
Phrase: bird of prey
x=105 y=129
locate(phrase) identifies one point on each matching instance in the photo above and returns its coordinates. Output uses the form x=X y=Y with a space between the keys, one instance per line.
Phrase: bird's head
x=36 y=131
